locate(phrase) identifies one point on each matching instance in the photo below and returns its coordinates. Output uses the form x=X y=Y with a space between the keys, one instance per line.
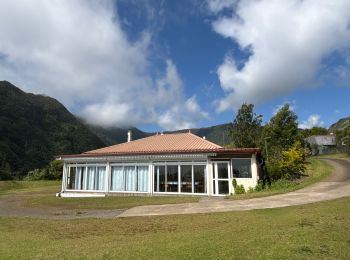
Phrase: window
x=199 y=179
x=86 y=178
x=183 y=178
x=129 y=178
x=186 y=178
x=159 y=178
x=241 y=168
x=172 y=178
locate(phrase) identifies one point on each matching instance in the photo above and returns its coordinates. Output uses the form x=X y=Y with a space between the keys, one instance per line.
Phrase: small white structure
x=166 y=164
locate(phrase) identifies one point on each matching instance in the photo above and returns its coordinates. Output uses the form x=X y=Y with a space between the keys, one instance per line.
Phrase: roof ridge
x=209 y=142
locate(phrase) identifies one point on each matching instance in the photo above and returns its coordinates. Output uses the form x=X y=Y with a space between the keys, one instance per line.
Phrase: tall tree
x=316 y=130
x=246 y=127
x=281 y=132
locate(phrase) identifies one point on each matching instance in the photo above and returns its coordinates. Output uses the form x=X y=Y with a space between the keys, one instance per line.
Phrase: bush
x=250 y=190
x=52 y=172
x=239 y=189
x=260 y=186
x=291 y=164
x=35 y=175
x=293 y=161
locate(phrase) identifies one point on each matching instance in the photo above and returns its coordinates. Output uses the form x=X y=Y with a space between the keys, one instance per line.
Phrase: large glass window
x=192 y=178
x=241 y=168
x=159 y=178
x=186 y=178
x=172 y=178
x=86 y=178
x=199 y=176
x=129 y=178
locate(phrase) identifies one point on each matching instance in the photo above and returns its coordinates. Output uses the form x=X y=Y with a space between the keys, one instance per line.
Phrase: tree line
x=284 y=150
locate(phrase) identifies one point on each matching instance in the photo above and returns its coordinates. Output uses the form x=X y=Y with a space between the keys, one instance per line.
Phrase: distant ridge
x=35 y=128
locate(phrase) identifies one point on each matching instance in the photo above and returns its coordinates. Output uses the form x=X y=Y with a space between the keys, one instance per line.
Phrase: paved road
x=336 y=186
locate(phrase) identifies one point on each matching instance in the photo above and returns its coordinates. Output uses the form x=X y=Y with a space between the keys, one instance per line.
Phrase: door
x=221 y=178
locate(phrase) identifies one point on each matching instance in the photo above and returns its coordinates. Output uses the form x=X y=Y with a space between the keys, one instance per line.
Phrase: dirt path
x=336 y=186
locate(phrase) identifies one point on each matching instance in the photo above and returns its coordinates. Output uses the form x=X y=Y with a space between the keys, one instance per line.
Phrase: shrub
x=290 y=165
x=239 y=189
x=52 y=172
x=293 y=161
x=250 y=190
x=260 y=186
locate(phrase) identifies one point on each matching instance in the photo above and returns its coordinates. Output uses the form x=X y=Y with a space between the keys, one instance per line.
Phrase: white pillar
x=107 y=178
x=64 y=177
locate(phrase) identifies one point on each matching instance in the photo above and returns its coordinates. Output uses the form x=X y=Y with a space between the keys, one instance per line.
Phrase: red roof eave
x=136 y=153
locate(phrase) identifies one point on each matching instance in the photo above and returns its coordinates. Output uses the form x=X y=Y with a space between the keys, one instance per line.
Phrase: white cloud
x=292 y=106
x=216 y=6
x=312 y=121
x=288 y=41
x=77 y=52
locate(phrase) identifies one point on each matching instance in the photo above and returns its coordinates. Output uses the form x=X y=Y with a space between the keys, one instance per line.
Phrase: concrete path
x=336 y=186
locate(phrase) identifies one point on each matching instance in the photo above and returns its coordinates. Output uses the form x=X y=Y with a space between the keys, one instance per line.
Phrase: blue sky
x=178 y=64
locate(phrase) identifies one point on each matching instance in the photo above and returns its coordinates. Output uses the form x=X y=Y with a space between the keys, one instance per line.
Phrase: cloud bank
x=288 y=42
x=312 y=121
x=77 y=52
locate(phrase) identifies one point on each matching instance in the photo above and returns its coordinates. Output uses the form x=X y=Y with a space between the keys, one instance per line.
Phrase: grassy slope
x=314 y=231
x=316 y=171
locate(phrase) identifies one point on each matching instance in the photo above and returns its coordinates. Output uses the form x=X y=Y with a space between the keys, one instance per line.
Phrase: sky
x=166 y=65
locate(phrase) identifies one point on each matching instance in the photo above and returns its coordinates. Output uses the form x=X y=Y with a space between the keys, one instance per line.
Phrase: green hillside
x=35 y=128
x=341 y=124
x=218 y=134
x=116 y=135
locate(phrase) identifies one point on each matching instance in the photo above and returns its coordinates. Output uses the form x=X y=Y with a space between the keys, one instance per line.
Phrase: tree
x=316 y=130
x=281 y=132
x=246 y=127
x=343 y=138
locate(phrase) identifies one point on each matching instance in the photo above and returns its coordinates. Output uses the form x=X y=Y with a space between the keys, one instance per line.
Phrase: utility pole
x=267 y=154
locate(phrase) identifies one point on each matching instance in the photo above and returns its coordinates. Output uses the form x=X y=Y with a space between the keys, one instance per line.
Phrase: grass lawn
x=7 y=187
x=314 y=231
x=41 y=194
x=117 y=202
x=316 y=171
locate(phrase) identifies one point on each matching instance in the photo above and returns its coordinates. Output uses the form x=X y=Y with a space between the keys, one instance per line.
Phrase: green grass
x=7 y=187
x=334 y=156
x=316 y=171
x=314 y=231
x=117 y=202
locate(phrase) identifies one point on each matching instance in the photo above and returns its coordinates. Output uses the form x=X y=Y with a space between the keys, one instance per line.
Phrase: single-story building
x=322 y=144
x=162 y=164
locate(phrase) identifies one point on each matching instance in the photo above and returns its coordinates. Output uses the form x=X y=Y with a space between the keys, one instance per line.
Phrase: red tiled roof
x=164 y=144
x=160 y=143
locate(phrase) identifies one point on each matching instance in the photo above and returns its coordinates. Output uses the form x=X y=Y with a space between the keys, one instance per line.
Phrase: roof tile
x=161 y=143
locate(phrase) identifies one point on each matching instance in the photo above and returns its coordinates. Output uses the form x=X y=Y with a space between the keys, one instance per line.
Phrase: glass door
x=221 y=178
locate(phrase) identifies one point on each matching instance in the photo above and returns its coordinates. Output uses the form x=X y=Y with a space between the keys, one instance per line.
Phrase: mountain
x=115 y=135
x=35 y=128
x=218 y=134
x=339 y=125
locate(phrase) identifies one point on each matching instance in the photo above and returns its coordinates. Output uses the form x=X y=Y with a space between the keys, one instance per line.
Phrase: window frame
x=251 y=169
